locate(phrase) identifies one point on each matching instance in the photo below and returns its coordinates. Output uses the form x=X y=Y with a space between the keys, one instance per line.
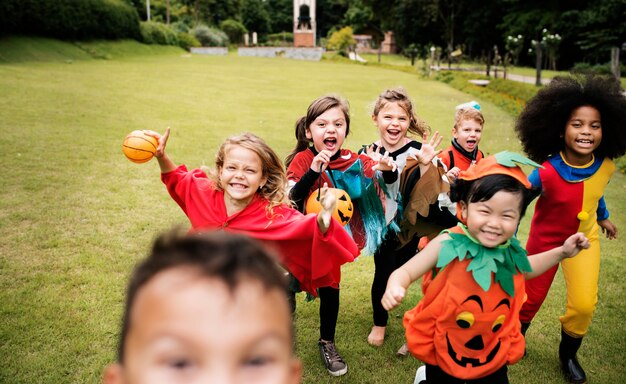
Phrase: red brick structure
x=304 y=23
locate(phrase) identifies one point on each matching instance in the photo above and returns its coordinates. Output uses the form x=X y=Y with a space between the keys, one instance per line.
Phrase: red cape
x=310 y=256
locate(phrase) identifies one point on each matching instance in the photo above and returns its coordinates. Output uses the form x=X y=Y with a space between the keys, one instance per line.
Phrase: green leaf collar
x=504 y=261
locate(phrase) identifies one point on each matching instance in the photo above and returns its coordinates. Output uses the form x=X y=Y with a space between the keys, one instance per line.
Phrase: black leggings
x=387 y=259
x=434 y=374
x=329 y=310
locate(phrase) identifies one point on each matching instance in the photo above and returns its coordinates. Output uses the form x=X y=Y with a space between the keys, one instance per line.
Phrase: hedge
x=70 y=19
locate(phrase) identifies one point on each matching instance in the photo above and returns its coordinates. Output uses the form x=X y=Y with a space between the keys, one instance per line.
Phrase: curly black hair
x=541 y=124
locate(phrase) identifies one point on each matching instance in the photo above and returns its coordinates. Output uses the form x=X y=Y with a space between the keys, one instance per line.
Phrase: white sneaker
x=420 y=375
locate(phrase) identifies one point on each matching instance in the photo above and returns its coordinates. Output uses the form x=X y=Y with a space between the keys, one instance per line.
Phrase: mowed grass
x=75 y=215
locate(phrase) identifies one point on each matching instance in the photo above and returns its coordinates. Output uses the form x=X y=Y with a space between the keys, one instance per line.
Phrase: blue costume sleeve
x=602 y=212
x=534 y=178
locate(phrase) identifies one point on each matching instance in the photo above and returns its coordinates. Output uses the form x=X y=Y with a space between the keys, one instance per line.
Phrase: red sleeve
x=299 y=165
x=313 y=258
x=445 y=158
x=197 y=197
x=367 y=164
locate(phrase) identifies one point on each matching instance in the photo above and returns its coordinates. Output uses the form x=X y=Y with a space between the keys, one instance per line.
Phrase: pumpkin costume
x=467 y=324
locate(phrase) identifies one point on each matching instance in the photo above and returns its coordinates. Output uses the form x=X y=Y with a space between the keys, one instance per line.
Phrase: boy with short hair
x=206 y=307
x=466 y=134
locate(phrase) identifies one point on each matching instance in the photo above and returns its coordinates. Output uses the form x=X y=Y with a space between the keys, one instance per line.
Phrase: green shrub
x=70 y=19
x=209 y=37
x=507 y=94
x=595 y=69
x=341 y=40
x=234 y=30
x=281 y=38
x=186 y=40
x=158 y=33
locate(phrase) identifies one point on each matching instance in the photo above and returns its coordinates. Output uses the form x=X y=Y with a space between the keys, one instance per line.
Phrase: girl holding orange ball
x=245 y=193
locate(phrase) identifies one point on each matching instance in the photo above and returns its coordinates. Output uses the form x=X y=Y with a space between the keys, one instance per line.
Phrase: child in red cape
x=466 y=327
x=246 y=194
x=319 y=158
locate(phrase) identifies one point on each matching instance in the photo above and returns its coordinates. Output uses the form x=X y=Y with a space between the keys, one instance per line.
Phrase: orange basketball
x=343 y=213
x=139 y=147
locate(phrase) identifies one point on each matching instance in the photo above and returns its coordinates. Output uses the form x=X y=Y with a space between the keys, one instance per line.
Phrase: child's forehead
x=236 y=151
x=503 y=196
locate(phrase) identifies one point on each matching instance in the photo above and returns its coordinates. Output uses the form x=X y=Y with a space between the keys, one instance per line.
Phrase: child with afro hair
x=575 y=127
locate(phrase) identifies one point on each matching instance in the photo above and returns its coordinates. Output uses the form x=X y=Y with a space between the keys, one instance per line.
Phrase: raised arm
x=329 y=204
x=165 y=163
x=403 y=277
x=541 y=262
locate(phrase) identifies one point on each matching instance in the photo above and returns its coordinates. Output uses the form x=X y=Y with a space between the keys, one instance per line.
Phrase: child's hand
x=429 y=149
x=162 y=141
x=453 y=174
x=321 y=160
x=385 y=163
x=373 y=154
x=393 y=296
x=608 y=228
x=574 y=244
x=329 y=204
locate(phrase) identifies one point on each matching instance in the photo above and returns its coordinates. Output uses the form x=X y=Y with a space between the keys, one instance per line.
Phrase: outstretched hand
x=161 y=139
x=574 y=244
x=385 y=163
x=393 y=296
x=374 y=154
x=608 y=228
x=328 y=201
x=429 y=148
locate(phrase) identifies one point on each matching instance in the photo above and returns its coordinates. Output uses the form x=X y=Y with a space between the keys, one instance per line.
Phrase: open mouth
x=585 y=142
x=330 y=142
x=393 y=133
x=465 y=361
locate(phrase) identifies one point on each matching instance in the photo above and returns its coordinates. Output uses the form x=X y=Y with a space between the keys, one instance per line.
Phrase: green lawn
x=75 y=215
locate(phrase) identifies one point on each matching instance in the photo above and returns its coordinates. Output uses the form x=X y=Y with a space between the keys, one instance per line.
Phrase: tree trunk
x=167 y=12
x=615 y=67
x=539 y=50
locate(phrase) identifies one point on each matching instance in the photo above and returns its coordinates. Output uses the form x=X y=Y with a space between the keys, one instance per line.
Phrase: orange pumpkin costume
x=466 y=330
x=467 y=323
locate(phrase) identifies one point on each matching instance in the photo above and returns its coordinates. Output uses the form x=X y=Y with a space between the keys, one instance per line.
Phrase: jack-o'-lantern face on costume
x=344 y=210
x=474 y=333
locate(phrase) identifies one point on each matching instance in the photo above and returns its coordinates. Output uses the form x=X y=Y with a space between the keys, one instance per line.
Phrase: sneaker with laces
x=334 y=363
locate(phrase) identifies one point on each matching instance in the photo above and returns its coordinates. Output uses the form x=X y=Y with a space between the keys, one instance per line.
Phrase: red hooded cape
x=312 y=257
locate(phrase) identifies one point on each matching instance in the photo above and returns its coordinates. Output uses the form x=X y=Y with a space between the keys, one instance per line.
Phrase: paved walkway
x=500 y=73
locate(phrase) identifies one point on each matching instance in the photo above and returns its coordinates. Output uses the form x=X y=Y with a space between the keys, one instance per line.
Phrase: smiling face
x=392 y=122
x=240 y=177
x=583 y=134
x=494 y=221
x=186 y=328
x=328 y=130
x=467 y=134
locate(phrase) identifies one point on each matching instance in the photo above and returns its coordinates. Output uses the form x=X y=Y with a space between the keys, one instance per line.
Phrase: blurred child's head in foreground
x=206 y=308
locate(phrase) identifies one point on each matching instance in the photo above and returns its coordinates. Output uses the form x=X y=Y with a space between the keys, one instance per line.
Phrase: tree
x=255 y=16
x=282 y=15
x=330 y=15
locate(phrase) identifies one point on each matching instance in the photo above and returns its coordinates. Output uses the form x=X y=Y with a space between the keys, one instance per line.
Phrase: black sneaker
x=334 y=363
